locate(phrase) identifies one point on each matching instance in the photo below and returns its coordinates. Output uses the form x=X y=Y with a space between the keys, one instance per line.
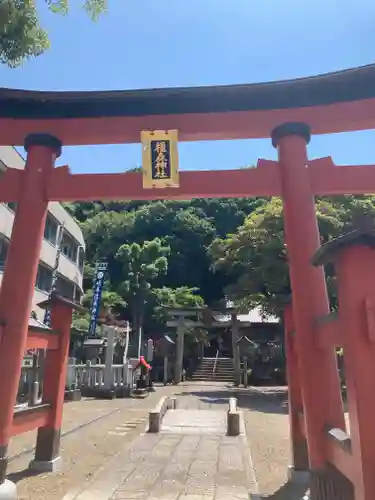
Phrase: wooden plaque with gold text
x=160 y=159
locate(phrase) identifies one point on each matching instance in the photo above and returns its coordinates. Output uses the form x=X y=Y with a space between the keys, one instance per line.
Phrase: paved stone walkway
x=194 y=422
x=85 y=446
x=191 y=459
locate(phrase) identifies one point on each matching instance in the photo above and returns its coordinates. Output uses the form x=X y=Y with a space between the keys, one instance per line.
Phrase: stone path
x=117 y=425
x=194 y=422
x=191 y=459
x=93 y=432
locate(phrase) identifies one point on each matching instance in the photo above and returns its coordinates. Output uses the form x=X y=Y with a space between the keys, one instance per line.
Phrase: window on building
x=69 y=247
x=78 y=294
x=44 y=278
x=65 y=288
x=50 y=229
x=4 y=245
x=81 y=258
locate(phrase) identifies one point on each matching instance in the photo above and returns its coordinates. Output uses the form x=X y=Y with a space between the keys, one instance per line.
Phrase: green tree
x=187 y=227
x=22 y=36
x=141 y=266
x=180 y=297
x=175 y=297
x=255 y=256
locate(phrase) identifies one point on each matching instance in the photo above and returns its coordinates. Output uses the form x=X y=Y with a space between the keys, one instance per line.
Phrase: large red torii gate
x=288 y=112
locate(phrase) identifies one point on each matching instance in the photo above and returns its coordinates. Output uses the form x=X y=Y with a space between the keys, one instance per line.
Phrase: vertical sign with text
x=160 y=159
x=100 y=271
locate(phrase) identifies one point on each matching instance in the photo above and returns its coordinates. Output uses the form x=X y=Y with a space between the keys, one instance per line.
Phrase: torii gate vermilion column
x=17 y=288
x=317 y=368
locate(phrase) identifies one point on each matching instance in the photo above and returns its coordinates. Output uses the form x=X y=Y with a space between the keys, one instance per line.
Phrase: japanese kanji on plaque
x=160 y=159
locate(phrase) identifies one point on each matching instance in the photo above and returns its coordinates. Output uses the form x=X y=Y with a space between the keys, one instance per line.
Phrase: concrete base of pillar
x=8 y=491
x=123 y=392
x=45 y=466
x=330 y=484
x=73 y=395
x=296 y=476
x=141 y=393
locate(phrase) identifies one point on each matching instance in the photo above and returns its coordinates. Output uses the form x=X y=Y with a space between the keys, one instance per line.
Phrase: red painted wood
x=17 y=288
x=28 y=421
x=296 y=424
x=339 y=117
x=341 y=459
x=355 y=270
x=301 y=421
x=328 y=179
x=56 y=364
x=40 y=340
x=320 y=387
x=325 y=179
x=328 y=333
x=261 y=181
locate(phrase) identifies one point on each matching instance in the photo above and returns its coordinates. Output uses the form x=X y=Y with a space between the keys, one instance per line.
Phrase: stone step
x=223 y=373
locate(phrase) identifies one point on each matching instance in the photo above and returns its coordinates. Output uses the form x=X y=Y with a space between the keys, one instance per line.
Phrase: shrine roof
x=37 y=325
x=337 y=87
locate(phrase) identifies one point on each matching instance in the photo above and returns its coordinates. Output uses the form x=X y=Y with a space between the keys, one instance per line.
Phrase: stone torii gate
x=198 y=317
x=287 y=112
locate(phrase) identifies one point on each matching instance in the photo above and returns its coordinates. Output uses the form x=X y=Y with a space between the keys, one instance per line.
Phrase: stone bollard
x=233 y=418
x=155 y=417
x=34 y=393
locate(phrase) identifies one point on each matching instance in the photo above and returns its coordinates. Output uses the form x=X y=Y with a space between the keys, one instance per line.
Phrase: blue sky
x=161 y=43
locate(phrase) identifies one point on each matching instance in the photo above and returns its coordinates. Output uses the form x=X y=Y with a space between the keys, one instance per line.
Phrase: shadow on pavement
x=211 y=397
x=15 y=477
x=266 y=400
x=289 y=491
x=263 y=399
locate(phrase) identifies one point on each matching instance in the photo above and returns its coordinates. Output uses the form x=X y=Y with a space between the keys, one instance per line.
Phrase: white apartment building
x=70 y=270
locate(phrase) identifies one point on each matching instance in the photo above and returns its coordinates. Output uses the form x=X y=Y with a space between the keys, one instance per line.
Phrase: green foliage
x=187 y=228
x=208 y=249
x=22 y=36
x=175 y=297
x=141 y=266
x=255 y=256
x=111 y=301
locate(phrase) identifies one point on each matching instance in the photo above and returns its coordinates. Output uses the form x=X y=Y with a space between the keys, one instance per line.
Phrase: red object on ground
x=144 y=363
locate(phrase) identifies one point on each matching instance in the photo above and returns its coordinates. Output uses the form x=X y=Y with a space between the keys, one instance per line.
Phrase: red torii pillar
x=47 y=451
x=317 y=368
x=300 y=459
x=353 y=256
x=17 y=288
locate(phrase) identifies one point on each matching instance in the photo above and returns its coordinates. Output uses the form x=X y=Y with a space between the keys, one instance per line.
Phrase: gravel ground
x=267 y=427
x=83 y=451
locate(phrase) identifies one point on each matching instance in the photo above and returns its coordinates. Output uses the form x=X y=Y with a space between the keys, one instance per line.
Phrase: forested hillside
x=196 y=252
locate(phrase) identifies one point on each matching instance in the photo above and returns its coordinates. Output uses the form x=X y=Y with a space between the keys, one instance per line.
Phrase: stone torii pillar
x=235 y=327
x=179 y=349
x=180 y=320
